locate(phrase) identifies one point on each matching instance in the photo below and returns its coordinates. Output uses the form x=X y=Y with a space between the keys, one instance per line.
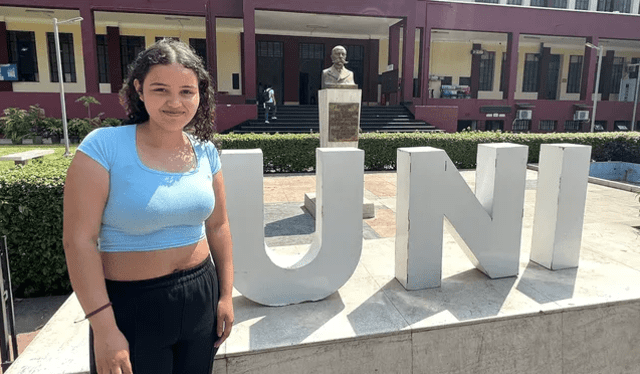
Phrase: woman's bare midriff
x=129 y=266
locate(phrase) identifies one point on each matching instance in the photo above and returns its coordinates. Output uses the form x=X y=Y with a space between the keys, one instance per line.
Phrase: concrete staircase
x=300 y=119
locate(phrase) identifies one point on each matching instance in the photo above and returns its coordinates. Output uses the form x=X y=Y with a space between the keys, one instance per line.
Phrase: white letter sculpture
x=335 y=252
x=487 y=226
x=560 y=201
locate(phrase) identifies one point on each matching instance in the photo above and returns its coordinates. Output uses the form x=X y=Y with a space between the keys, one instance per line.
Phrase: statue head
x=339 y=56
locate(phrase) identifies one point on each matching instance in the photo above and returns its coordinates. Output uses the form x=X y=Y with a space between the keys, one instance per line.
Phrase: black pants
x=169 y=322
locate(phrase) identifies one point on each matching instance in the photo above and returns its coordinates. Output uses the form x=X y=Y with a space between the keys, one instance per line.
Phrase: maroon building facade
x=294 y=72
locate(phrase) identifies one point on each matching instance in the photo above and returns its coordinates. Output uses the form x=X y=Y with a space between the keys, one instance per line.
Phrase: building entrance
x=311 y=61
x=270 y=70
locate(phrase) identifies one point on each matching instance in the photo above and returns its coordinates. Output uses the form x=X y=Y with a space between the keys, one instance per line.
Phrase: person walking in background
x=269 y=103
x=145 y=232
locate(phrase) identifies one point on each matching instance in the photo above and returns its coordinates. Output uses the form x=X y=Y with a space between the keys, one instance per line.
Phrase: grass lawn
x=9 y=149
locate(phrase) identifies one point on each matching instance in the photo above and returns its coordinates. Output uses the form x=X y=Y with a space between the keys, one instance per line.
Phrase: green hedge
x=31 y=218
x=295 y=153
x=31 y=196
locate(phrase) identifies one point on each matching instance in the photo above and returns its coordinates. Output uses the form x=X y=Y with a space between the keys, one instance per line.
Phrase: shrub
x=111 y=122
x=31 y=218
x=15 y=124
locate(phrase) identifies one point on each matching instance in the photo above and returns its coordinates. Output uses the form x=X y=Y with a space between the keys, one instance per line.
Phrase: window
x=66 y=52
x=572 y=126
x=464 y=81
x=309 y=51
x=575 y=74
x=622 y=6
x=547 y=125
x=200 y=46
x=561 y=4
x=521 y=125
x=531 y=71
x=447 y=81
x=622 y=125
x=582 y=4
x=599 y=126
x=487 y=64
x=22 y=52
x=270 y=49
x=487 y=1
x=159 y=38
x=130 y=46
x=103 y=58
x=616 y=74
x=514 y=2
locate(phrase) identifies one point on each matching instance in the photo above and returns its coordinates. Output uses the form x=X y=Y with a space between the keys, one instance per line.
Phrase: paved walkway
x=372 y=302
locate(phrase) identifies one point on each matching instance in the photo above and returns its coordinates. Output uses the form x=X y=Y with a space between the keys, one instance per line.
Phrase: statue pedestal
x=339 y=114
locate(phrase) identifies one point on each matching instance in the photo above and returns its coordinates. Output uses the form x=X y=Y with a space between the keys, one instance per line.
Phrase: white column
x=635 y=5
x=526 y=2
x=560 y=202
x=593 y=5
x=337 y=246
x=487 y=226
x=571 y=4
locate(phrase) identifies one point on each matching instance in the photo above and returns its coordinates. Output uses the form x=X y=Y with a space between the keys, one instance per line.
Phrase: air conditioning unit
x=524 y=114
x=581 y=115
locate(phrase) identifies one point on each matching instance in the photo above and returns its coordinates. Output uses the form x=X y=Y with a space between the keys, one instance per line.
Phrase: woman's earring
x=140 y=96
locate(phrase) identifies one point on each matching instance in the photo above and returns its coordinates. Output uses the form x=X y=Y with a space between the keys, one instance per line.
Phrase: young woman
x=144 y=214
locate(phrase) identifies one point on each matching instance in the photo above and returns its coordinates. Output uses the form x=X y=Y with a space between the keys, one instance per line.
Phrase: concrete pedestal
x=339 y=114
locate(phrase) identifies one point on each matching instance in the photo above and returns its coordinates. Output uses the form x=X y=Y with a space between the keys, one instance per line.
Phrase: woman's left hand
x=225 y=320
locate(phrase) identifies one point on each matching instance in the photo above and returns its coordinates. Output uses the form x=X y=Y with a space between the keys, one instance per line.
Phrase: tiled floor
x=380 y=188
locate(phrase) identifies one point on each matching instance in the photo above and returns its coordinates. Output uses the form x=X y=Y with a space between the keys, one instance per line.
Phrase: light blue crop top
x=149 y=209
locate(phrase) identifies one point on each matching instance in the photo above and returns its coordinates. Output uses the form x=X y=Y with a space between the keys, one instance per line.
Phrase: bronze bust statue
x=337 y=76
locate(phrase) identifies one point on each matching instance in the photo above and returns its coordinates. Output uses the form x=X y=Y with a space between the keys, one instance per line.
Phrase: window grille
x=514 y=2
x=622 y=6
x=130 y=46
x=522 y=125
x=547 y=125
x=561 y=4
x=582 y=4
x=531 y=71
x=310 y=51
x=270 y=49
x=575 y=74
x=66 y=52
x=503 y=72
x=616 y=74
x=22 y=52
x=103 y=58
x=487 y=65
x=572 y=126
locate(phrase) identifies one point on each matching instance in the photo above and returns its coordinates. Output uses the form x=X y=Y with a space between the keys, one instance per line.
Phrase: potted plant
x=16 y=124
x=36 y=117
x=53 y=129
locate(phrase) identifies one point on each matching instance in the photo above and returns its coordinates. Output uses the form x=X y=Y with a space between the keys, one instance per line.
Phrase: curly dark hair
x=166 y=52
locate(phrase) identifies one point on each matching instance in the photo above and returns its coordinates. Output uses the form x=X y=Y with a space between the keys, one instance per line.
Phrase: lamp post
x=61 y=79
x=595 y=98
x=635 y=100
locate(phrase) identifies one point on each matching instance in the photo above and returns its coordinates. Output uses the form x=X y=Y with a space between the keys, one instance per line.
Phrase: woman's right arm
x=85 y=195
